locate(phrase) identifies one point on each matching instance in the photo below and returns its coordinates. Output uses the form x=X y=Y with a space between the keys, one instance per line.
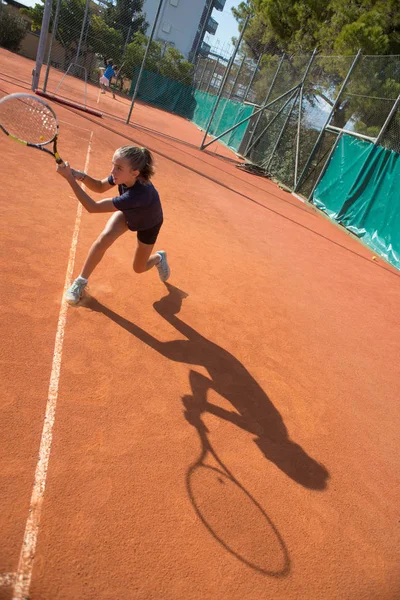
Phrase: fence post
x=252 y=78
x=292 y=92
x=224 y=81
x=202 y=73
x=387 y=122
x=42 y=44
x=144 y=60
x=53 y=35
x=332 y=150
x=295 y=96
x=212 y=75
x=321 y=133
x=82 y=31
x=247 y=150
x=296 y=162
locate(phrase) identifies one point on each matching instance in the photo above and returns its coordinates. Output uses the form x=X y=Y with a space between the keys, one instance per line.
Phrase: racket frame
x=53 y=140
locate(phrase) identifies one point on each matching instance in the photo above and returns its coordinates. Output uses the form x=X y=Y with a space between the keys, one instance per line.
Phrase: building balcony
x=211 y=26
x=219 y=4
x=204 y=49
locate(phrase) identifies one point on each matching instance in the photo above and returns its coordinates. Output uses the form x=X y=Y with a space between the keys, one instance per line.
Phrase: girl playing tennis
x=136 y=208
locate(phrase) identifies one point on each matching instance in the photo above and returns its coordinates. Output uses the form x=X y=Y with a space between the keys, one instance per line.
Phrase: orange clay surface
x=233 y=435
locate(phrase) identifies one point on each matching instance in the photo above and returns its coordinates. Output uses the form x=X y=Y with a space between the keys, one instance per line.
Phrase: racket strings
x=29 y=120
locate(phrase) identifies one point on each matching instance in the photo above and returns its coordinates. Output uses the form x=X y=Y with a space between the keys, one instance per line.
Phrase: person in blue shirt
x=108 y=74
x=136 y=208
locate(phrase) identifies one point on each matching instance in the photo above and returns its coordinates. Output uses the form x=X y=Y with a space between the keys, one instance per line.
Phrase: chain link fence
x=283 y=114
x=309 y=101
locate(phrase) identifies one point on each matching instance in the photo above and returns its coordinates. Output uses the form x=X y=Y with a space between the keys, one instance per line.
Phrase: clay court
x=230 y=435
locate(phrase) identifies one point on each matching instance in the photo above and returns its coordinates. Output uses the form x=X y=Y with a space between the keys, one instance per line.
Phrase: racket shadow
x=228 y=511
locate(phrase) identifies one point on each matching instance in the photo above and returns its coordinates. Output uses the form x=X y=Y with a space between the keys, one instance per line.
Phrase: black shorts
x=149 y=236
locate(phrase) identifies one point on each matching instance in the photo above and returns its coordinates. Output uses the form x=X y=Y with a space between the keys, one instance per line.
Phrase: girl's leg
x=144 y=259
x=115 y=227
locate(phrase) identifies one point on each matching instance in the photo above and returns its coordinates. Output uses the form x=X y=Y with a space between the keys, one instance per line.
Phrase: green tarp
x=165 y=93
x=228 y=113
x=192 y=104
x=360 y=190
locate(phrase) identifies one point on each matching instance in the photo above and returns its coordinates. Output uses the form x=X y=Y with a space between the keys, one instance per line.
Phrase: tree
x=101 y=39
x=174 y=66
x=12 y=29
x=127 y=17
x=135 y=53
x=334 y=26
x=104 y=40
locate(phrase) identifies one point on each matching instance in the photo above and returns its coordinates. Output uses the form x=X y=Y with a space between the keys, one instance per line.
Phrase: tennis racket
x=30 y=121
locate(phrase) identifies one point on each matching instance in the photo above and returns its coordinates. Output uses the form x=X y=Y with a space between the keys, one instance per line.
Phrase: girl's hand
x=65 y=171
x=79 y=175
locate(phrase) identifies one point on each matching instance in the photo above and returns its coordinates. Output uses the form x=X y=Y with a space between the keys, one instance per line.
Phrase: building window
x=174 y=2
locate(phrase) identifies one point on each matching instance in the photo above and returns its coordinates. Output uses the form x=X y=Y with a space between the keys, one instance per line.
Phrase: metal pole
x=296 y=163
x=82 y=32
x=276 y=116
x=201 y=34
x=126 y=41
x=202 y=73
x=333 y=129
x=202 y=146
x=221 y=116
x=252 y=79
x=42 y=45
x=335 y=104
x=293 y=90
x=236 y=78
x=53 y=35
x=212 y=75
x=322 y=173
x=196 y=68
x=282 y=131
x=386 y=123
x=144 y=60
x=271 y=87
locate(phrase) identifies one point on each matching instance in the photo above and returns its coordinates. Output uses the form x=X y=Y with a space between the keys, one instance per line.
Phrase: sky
x=227 y=24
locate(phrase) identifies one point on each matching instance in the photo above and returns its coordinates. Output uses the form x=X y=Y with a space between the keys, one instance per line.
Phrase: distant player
x=105 y=79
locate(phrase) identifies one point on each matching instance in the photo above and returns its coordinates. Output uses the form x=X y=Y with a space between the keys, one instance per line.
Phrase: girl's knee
x=139 y=268
x=105 y=240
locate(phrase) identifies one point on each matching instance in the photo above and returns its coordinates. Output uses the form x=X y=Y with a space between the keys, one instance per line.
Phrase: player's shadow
x=253 y=410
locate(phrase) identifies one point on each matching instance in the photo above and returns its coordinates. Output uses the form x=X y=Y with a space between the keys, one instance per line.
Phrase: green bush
x=12 y=29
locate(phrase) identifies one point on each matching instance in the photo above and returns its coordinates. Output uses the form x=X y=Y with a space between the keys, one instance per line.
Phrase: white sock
x=80 y=278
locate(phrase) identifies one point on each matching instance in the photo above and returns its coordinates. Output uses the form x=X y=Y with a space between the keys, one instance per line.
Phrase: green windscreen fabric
x=165 y=93
x=228 y=113
x=197 y=106
x=360 y=190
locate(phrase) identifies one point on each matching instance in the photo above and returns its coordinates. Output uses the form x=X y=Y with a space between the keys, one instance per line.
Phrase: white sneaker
x=75 y=292
x=163 y=268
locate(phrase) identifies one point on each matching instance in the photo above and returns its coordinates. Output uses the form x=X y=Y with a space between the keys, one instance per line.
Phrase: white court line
x=25 y=565
x=7 y=579
x=72 y=125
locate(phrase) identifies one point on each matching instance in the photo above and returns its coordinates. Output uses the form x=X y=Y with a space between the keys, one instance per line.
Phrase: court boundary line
x=7 y=579
x=23 y=576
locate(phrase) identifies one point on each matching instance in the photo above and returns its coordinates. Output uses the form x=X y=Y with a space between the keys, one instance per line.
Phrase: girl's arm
x=87 y=202
x=96 y=185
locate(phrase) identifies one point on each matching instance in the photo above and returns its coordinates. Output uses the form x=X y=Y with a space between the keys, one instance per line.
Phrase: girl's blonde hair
x=140 y=160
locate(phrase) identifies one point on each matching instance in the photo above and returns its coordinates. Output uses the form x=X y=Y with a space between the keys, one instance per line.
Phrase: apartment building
x=183 y=23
